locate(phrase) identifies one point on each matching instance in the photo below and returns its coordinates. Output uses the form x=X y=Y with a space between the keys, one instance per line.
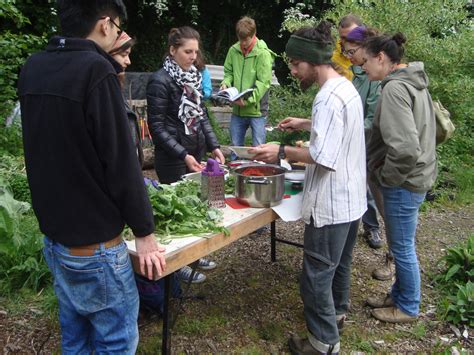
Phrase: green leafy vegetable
x=179 y=212
x=229 y=187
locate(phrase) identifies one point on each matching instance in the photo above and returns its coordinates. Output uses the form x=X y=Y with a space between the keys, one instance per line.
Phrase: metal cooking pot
x=260 y=191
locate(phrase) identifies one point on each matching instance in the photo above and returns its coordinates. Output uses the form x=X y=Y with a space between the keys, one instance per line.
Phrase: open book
x=232 y=94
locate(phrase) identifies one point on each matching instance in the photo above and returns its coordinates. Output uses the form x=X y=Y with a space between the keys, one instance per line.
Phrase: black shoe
x=301 y=346
x=373 y=238
x=340 y=323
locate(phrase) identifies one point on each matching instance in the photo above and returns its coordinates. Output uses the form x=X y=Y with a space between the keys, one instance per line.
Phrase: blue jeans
x=369 y=219
x=401 y=218
x=98 y=299
x=326 y=277
x=239 y=126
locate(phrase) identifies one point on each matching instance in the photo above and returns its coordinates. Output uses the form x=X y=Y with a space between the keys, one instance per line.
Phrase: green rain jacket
x=401 y=151
x=369 y=92
x=253 y=71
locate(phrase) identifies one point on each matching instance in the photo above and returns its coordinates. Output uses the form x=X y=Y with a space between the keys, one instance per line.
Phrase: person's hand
x=223 y=87
x=150 y=256
x=239 y=102
x=266 y=152
x=291 y=124
x=192 y=164
x=217 y=155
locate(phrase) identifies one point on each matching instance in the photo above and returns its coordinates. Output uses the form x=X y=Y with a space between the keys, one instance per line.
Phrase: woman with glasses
x=369 y=92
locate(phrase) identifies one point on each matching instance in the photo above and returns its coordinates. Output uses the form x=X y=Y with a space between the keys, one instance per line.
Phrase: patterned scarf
x=190 y=109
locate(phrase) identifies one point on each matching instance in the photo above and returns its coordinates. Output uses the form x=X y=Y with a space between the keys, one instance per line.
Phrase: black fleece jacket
x=167 y=130
x=82 y=169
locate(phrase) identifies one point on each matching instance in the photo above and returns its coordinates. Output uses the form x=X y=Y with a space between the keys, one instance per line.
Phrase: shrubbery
x=456 y=284
x=21 y=259
x=440 y=35
x=289 y=101
x=16 y=46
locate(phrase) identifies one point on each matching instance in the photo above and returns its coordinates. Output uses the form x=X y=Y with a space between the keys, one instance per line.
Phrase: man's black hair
x=78 y=17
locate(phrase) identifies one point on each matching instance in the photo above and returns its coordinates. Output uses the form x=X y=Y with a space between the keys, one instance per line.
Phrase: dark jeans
x=369 y=219
x=326 y=277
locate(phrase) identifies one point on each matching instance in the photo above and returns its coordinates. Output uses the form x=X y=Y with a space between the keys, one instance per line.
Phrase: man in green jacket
x=248 y=65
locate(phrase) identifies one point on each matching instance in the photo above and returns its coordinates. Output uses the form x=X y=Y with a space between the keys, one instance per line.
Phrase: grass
x=201 y=326
x=464 y=178
x=274 y=332
x=358 y=340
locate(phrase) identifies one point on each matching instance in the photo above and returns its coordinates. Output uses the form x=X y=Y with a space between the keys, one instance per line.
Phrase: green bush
x=459 y=307
x=12 y=170
x=440 y=35
x=289 y=101
x=10 y=140
x=456 y=284
x=21 y=258
x=17 y=42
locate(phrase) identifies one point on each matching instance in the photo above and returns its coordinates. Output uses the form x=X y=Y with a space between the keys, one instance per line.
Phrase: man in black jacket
x=85 y=179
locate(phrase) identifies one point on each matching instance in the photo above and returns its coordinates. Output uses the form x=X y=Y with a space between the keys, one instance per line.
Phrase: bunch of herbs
x=179 y=212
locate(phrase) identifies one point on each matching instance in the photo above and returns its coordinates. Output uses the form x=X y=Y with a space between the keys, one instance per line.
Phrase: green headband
x=309 y=50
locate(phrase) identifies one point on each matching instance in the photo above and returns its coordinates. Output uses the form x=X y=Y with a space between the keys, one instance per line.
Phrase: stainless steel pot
x=260 y=191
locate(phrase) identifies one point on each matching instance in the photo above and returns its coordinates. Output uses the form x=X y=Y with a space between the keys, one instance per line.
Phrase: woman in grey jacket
x=402 y=164
x=369 y=92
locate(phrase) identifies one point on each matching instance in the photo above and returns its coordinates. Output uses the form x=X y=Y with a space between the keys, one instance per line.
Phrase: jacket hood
x=357 y=70
x=413 y=75
x=259 y=46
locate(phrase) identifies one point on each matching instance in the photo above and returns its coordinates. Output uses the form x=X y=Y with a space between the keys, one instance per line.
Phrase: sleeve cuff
x=183 y=154
x=320 y=160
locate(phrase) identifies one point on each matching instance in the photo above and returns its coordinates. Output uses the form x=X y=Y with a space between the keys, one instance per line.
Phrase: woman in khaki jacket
x=402 y=165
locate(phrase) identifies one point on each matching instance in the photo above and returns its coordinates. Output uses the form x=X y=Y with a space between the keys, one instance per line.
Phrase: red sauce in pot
x=259 y=171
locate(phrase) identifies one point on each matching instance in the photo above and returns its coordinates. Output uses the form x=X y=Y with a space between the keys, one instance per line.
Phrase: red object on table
x=237 y=205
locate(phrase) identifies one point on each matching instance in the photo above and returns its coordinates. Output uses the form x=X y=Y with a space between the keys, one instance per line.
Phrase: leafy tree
x=151 y=20
x=440 y=35
x=19 y=37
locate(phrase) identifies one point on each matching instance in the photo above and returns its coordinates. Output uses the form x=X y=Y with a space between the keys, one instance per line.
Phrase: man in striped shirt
x=334 y=196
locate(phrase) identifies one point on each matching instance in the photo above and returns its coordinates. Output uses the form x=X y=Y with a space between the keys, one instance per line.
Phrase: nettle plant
x=456 y=283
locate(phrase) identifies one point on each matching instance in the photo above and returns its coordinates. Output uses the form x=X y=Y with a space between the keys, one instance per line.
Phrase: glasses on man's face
x=120 y=30
x=350 y=52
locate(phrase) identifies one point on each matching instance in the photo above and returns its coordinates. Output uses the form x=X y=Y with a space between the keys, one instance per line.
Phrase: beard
x=306 y=83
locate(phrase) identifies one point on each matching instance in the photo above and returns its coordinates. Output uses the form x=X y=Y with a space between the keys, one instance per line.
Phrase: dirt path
x=252 y=305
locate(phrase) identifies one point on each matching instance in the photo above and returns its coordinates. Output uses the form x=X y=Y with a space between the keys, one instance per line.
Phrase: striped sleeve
x=327 y=133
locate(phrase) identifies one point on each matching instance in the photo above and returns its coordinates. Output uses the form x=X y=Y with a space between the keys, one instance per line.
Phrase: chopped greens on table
x=229 y=186
x=179 y=212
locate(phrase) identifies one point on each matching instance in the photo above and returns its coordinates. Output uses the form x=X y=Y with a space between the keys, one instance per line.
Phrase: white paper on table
x=289 y=209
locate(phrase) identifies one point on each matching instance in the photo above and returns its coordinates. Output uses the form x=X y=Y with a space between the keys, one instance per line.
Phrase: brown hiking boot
x=386 y=272
x=392 y=315
x=380 y=302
